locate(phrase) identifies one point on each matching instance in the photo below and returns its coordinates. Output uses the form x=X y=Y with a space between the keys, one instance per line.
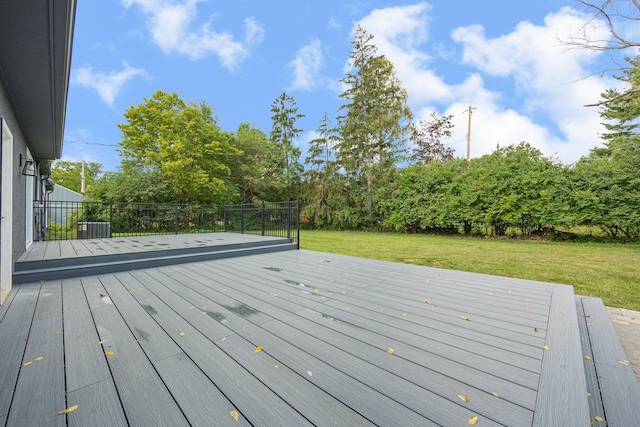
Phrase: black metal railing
x=89 y=220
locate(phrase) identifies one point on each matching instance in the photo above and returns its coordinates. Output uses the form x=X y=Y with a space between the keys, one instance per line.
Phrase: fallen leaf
x=258 y=349
x=592 y=422
x=347 y=308
x=109 y=352
x=465 y=318
x=275 y=366
x=180 y=359
x=563 y=312
x=69 y=409
x=390 y=350
x=103 y=295
x=546 y=347
x=26 y=364
x=427 y=301
x=588 y=394
x=141 y=289
x=182 y=334
x=190 y=308
x=37 y=359
x=495 y=394
x=462 y=397
x=587 y=357
x=224 y=338
x=597 y=418
x=589 y=324
x=103 y=341
x=310 y=373
x=404 y=314
x=535 y=329
x=624 y=362
x=473 y=420
x=234 y=415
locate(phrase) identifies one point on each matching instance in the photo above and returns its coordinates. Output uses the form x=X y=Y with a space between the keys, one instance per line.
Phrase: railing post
x=224 y=217
x=298 y=221
x=177 y=219
x=263 y=217
x=241 y=218
x=111 y=218
x=288 y=218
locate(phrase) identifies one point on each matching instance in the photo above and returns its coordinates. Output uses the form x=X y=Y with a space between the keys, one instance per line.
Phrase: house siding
x=19 y=181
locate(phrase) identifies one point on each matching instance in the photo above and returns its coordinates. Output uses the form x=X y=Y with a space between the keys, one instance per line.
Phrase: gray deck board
x=144 y=397
x=286 y=383
x=619 y=388
x=41 y=377
x=562 y=390
x=14 y=333
x=184 y=337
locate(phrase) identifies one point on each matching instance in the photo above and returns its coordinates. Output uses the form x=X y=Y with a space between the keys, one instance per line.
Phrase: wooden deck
x=294 y=338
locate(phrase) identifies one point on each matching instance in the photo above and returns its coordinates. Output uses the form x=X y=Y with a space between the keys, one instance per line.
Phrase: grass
x=610 y=271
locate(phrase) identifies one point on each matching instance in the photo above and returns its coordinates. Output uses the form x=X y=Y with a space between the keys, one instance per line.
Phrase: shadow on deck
x=303 y=338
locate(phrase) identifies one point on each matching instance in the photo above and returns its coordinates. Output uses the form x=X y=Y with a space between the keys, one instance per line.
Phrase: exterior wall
x=19 y=182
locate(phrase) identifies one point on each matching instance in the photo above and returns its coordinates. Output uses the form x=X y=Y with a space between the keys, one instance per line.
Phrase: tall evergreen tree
x=284 y=132
x=373 y=127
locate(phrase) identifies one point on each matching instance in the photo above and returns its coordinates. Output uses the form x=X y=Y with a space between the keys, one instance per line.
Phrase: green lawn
x=606 y=270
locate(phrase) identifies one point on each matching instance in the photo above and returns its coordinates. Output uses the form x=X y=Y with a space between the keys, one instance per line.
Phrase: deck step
x=65 y=268
x=611 y=382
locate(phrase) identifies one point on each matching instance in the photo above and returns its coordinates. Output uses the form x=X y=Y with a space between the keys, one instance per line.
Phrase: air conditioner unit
x=94 y=230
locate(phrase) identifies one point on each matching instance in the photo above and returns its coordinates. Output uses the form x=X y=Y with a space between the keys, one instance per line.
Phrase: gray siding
x=19 y=191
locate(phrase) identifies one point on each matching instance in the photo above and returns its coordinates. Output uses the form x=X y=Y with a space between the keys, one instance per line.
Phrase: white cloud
x=539 y=86
x=307 y=66
x=106 y=84
x=170 y=24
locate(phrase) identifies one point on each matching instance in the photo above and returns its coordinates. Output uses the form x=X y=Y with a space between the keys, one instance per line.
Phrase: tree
x=131 y=184
x=622 y=113
x=373 y=128
x=323 y=184
x=284 y=132
x=69 y=174
x=181 y=142
x=427 y=136
x=254 y=172
x=614 y=14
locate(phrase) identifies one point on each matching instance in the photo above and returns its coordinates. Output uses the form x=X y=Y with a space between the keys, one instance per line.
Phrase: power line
x=90 y=143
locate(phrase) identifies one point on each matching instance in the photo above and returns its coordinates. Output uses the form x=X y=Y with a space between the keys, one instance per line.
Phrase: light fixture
x=28 y=168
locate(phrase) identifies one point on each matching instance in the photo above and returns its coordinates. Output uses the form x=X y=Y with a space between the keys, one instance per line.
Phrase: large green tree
x=284 y=132
x=69 y=174
x=372 y=130
x=182 y=143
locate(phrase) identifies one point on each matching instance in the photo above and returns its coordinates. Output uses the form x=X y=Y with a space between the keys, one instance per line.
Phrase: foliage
x=69 y=174
x=181 y=142
x=132 y=184
x=622 y=113
x=254 y=172
x=283 y=133
x=426 y=138
x=372 y=130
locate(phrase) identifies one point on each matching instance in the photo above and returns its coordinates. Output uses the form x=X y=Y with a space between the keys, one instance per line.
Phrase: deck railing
x=90 y=220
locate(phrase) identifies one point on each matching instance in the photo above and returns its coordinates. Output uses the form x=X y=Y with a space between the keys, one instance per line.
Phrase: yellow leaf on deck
x=190 y=308
x=182 y=334
x=310 y=373
x=109 y=352
x=535 y=329
x=473 y=420
x=465 y=318
x=624 y=362
x=546 y=347
x=495 y=394
x=258 y=349
x=390 y=350
x=234 y=415
x=37 y=359
x=26 y=364
x=587 y=357
x=588 y=394
x=69 y=409
x=103 y=295
x=103 y=341
x=404 y=314
x=597 y=418
x=427 y=301
x=462 y=397
x=224 y=338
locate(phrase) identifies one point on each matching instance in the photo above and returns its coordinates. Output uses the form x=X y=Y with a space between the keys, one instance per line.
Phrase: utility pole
x=469 y=111
x=82 y=179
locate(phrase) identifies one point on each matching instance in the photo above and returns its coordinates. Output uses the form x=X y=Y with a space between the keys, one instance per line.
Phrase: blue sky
x=502 y=57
